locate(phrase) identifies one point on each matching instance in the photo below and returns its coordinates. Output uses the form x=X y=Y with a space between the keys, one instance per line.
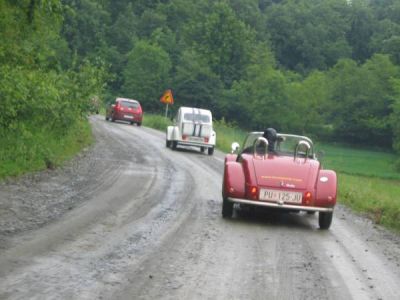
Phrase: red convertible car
x=278 y=171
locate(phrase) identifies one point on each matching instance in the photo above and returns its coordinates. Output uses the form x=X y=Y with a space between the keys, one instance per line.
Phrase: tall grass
x=378 y=198
x=156 y=121
x=227 y=134
x=37 y=149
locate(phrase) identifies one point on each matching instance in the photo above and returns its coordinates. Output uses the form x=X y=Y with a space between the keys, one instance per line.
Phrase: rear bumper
x=280 y=205
x=128 y=117
x=195 y=144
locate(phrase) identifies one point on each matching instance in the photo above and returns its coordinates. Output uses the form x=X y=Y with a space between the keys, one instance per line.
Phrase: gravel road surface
x=131 y=219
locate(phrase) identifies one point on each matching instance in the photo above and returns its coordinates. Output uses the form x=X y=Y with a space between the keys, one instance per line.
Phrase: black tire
x=139 y=124
x=202 y=149
x=325 y=219
x=167 y=143
x=132 y=123
x=211 y=151
x=174 y=145
x=227 y=208
x=107 y=118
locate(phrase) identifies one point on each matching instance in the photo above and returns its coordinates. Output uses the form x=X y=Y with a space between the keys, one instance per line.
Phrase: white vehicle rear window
x=196 y=117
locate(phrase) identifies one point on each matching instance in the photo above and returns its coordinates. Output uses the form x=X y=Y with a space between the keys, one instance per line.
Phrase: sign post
x=167 y=99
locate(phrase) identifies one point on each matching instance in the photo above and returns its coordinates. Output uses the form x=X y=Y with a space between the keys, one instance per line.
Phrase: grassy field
x=368 y=183
x=356 y=161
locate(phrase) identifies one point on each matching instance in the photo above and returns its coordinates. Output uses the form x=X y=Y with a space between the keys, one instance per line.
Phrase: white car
x=192 y=127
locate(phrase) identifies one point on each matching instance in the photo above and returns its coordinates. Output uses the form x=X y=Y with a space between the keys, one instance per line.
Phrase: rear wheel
x=202 y=149
x=139 y=123
x=174 y=145
x=325 y=219
x=211 y=151
x=167 y=143
x=227 y=208
x=107 y=118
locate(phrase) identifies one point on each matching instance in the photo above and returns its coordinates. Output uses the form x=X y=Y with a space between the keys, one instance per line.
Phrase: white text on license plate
x=280 y=196
x=128 y=117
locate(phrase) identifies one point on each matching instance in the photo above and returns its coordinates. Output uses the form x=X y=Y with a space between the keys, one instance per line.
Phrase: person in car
x=270 y=135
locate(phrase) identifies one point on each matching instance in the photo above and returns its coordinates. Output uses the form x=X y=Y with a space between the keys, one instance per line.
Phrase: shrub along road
x=131 y=219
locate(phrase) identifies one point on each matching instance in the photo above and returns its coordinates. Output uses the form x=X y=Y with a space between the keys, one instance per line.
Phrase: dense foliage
x=44 y=92
x=325 y=67
x=329 y=68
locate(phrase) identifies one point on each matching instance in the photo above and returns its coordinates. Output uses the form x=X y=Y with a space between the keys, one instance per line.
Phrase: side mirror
x=235 y=147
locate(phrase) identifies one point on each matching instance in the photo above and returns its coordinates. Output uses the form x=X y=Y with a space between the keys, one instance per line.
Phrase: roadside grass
x=227 y=134
x=367 y=180
x=378 y=199
x=156 y=121
x=39 y=149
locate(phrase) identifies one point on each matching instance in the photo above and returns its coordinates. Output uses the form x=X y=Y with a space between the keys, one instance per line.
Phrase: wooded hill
x=327 y=68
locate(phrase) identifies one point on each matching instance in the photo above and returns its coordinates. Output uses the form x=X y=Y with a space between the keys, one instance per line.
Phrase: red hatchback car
x=124 y=109
x=278 y=171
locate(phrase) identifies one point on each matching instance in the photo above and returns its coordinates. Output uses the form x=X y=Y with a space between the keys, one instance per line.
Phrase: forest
x=325 y=68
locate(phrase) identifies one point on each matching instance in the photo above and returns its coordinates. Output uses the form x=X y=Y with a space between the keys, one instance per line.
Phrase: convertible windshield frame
x=285 y=144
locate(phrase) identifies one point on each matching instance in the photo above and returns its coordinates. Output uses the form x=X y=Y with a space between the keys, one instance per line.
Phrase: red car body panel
x=326 y=190
x=246 y=174
x=234 y=180
x=281 y=173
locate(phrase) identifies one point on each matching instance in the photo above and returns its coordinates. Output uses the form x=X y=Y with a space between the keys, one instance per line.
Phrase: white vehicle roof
x=202 y=111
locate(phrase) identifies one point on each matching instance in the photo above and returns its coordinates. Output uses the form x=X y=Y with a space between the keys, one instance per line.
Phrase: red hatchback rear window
x=129 y=104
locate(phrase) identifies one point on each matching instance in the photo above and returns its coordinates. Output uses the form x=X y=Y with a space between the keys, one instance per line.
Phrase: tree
x=195 y=84
x=224 y=41
x=361 y=100
x=146 y=74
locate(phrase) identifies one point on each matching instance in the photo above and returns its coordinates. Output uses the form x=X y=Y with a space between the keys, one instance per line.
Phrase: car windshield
x=196 y=117
x=129 y=104
x=285 y=144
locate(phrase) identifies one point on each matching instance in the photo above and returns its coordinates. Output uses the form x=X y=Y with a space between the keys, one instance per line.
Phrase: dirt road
x=131 y=219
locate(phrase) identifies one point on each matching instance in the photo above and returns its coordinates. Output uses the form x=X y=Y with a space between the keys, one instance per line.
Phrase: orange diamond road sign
x=167 y=97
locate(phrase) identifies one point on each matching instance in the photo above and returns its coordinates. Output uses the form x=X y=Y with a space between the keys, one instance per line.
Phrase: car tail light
x=206 y=139
x=307 y=197
x=253 y=192
x=184 y=137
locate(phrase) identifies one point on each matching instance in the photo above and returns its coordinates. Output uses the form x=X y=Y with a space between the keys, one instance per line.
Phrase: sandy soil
x=131 y=219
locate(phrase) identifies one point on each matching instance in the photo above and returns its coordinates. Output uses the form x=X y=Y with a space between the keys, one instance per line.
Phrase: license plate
x=195 y=139
x=280 y=196
x=128 y=117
